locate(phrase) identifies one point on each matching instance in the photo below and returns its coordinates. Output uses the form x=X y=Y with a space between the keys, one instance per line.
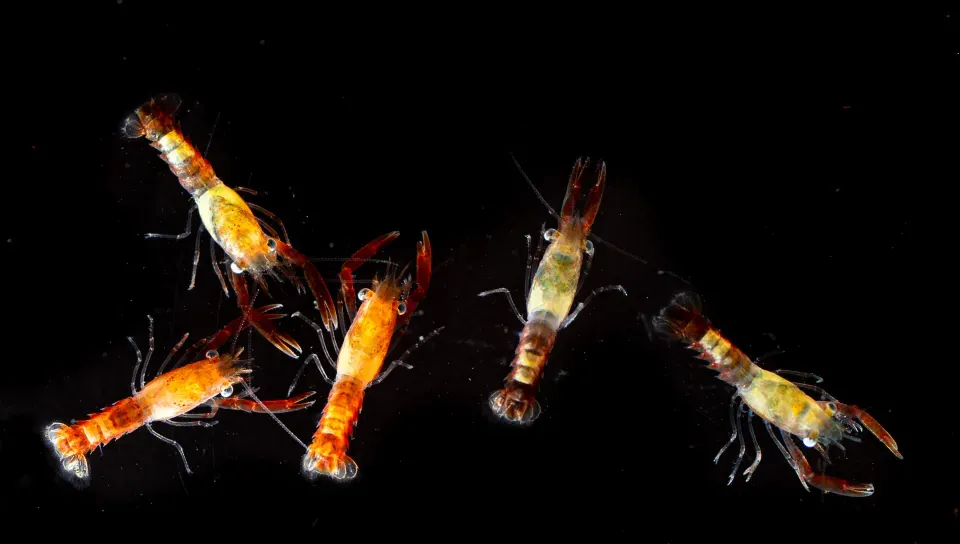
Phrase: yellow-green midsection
x=229 y=220
x=554 y=285
x=782 y=403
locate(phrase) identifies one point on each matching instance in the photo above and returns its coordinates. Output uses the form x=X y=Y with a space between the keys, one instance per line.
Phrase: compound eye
x=364 y=294
x=809 y=442
x=211 y=354
x=588 y=247
x=401 y=308
x=550 y=235
x=227 y=391
x=271 y=244
x=236 y=268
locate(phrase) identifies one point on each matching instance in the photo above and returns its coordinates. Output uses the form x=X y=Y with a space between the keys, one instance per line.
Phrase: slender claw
x=839 y=486
x=424 y=271
x=276 y=406
x=351 y=264
x=830 y=484
x=874 y=427
x=233 y=327
x=282 y=341
x=871 y=424
x=318 y=287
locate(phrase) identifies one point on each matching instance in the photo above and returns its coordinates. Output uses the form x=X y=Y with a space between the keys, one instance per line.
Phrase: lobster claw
x=849 y=411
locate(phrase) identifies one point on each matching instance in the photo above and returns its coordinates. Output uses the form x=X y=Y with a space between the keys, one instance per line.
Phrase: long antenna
x=534 y=187
x=274 y=416
x=617 y=249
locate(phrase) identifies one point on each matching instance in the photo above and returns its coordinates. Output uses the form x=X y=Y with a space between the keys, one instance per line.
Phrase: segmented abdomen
x=327 y=452
x=191 y=168
x=123 y=417
x=734 y=366
x=516 y=401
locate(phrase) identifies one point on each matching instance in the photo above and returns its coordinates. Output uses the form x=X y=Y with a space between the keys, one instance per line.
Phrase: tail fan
x=73 y=463
x=682 y=319
x=515 y=403
x=152 y=119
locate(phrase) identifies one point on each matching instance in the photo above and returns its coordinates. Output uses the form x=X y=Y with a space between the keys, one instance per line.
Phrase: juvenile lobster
x=779 y=402
x=230 y=222
x=375 y=329
x=556 y=282
x=207 y=382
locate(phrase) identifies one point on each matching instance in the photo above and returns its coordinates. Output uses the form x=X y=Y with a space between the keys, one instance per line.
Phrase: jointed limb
x=573 y=315
x=316 y=360
x=181 y=236
x=513 y=305
x=196 y=261
x=400 y=361
x=173 y=443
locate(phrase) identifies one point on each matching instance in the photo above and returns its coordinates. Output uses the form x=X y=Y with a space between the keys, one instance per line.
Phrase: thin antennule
x=534 y=187
x=346 y=259
x=617 y=249
x=271 y=414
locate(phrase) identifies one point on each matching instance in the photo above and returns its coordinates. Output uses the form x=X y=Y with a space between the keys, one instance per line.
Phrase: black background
x=790 y=166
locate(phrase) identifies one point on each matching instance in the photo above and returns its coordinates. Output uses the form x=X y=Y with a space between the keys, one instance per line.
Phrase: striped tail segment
x=683 y=320
x=72 y=443
x=516 y=401
x=327 y=454
x=155 y=121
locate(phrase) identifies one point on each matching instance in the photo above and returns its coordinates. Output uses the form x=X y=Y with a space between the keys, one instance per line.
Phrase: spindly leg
x=173 y=352
x=573 y=315
x=536 y=257
x=267 y=406
x=173 y=443
x=400 y=361
x=586 y=267
x=216 y=266
x=323 y=345
x=196 y=261
x=853 y=412
x=799 y=374
x=735 y=402
x=263 y=324
x=513 y=305
x=817 y=389
x=173 y=423
x=214 y=408
x=140 y=363
x=271 y=215
x=743 y=448
x=756 y=446
x=786 y=453
x=181 y=236
x=829 y=484
x=311 y=359
x=354 y=262
x=317 y=286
